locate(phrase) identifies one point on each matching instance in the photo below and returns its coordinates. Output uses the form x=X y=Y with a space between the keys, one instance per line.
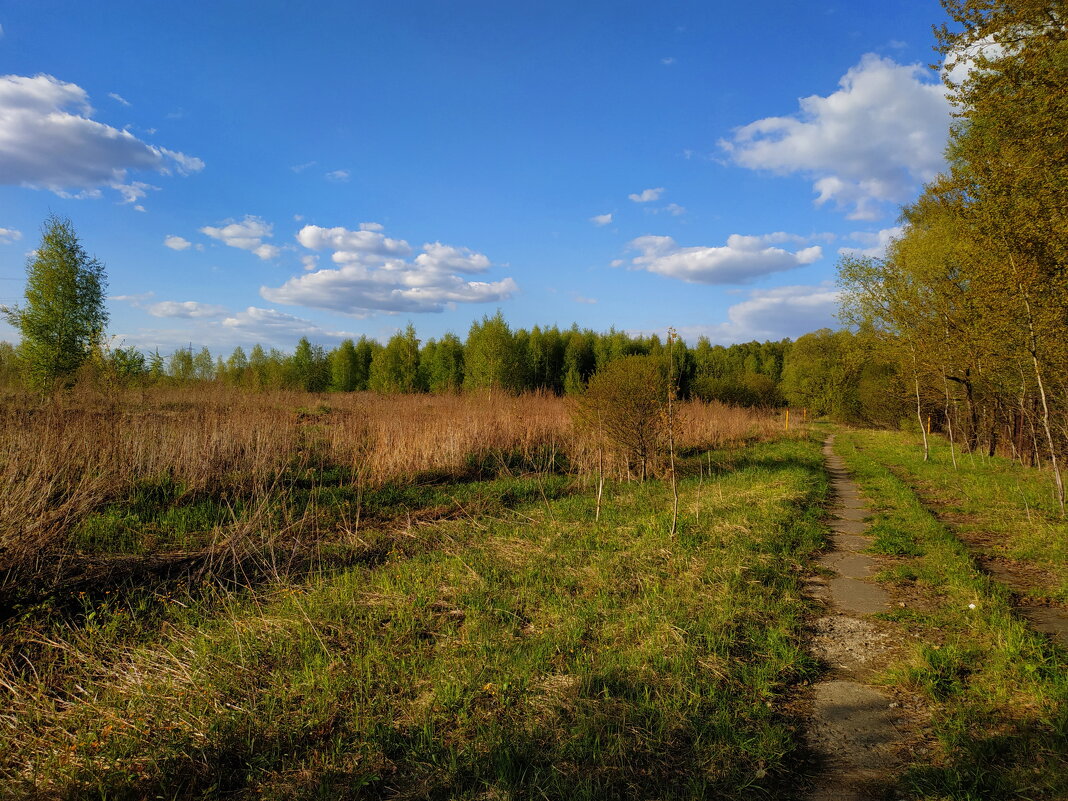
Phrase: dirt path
x=854 y=726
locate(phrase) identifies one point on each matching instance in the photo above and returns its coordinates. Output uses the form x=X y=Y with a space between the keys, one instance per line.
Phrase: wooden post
x=787 y=418
x=804 y=414
x=928 y=424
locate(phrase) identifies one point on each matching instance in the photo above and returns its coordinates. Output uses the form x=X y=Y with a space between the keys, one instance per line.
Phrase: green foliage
x=820 y=372
x=344 y=369
x=310 y=367
x=493 y=358
x=624 y=406
x=64 y=317
x=396 y=368
x=443 y=364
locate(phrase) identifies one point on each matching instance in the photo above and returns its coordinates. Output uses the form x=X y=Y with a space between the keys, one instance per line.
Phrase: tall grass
x=63 y=460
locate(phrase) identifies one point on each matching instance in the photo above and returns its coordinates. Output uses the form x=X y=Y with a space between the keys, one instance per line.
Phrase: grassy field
x=486 y=630
x=997 y=690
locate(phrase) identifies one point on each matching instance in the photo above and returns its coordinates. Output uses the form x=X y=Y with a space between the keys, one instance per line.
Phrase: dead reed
x=62 y=459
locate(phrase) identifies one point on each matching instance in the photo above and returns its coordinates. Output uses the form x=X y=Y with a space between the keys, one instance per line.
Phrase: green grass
x=527 y=651
x=1005 y=509
x=998 y=691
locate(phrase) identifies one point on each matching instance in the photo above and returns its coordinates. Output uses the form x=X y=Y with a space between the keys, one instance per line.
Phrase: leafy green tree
x=180 y=366
x=395 y=369
x=257 y=367
x=365 y=353
x=310 y=367
x=203 y=365
x=64 y=317
x=492 y=356
x=443 y=364
x=821 y=372
x=343 y=367
x=156 y=367
x=237 y=366
x=127 y=364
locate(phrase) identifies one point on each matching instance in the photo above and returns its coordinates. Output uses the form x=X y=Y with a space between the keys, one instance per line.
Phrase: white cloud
x=352 y=246
x=742 y=259
x=374 y=274
x=774 y=314
x=253 y=325
x=187 y=308
x=868 y=144
x=119 y=98
x=372 y=226
x=647 y=195
x=133 y=192
x=675 y=209
x=246 y=235
x=274 y=326
x=299 y=168
x=49 y=141
x=872 y=245
x=176 y=243
x=338 y=176
x=9 y=235
x=667 y=61
x=582 y=298
x=601 y=219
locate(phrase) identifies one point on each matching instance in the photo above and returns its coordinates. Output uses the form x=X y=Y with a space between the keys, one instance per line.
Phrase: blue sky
x=256 y=172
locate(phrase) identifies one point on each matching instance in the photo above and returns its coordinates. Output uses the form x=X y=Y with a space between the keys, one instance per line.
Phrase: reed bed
x=63 y=459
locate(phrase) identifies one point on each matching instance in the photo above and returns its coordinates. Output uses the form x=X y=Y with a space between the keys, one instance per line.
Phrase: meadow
x=212 y=593
x=288 y=595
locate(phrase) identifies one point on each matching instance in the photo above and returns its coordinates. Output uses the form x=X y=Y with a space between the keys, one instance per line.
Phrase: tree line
x=969 y=307
x=63 y=319
x=492 y=356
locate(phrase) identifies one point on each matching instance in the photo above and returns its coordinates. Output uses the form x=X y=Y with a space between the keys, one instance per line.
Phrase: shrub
x=624 y=407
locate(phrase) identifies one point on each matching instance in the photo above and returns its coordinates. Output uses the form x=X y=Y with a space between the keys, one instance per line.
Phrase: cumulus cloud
x=338 y=176
x=601 y=219
x=247 y=234
x=48 y=140
x=374 y=273
x=742 y=259
x=176 y=243
x=787 y=311
x=186 y=308
x=647 y=195
x=9 y=235
x=869 y=144
x=871 y=245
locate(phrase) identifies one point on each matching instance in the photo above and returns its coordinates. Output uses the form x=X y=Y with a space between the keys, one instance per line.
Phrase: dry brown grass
x=62 y=459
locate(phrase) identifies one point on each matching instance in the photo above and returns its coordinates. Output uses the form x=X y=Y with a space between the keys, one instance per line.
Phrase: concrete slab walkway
x=853 y=723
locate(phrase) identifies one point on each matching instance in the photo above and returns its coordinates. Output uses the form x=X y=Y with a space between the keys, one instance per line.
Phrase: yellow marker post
x=787 y=418
x=928 y=425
